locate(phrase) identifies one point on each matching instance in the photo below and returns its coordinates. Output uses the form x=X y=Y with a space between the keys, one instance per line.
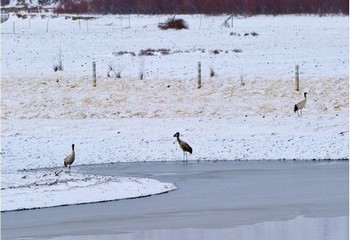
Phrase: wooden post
x=199 y=83
x=296 y=77
x=94 y=74
x=47 y=25
x=142 y=67
x=121 y=24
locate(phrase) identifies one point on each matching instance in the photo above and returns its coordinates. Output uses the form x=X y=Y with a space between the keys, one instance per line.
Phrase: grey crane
x=300 y=105
x=70 y=158
x=184 y=146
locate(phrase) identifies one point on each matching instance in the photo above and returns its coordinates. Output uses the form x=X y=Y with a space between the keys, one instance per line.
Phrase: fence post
x=199 y=83
x=296 y=77
x=47 y=25
x=94 y=74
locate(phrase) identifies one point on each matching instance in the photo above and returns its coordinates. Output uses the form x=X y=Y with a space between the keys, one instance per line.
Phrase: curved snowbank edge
x=37 y=190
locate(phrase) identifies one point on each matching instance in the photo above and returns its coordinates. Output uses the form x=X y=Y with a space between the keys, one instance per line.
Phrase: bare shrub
x=74 y=18
x=153 y=52
x=147 y=52
x=164 y=51
x=216 y=51
x=115 y=70
x=235 y=34
x=173 y=23
x=254 y=34
x=121 y=53
x=23 y=16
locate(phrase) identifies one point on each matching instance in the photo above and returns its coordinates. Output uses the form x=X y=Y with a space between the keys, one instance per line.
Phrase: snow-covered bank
x=40 y=143
x=135 y=121
x=28 y=190
x=31 y=144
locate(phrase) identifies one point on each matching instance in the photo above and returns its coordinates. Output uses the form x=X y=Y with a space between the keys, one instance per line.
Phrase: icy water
x=214 y=200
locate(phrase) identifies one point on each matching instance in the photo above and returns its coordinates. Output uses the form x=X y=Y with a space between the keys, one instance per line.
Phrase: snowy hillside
x=244 y=112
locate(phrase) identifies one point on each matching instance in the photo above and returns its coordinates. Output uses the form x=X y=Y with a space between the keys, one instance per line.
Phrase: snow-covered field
x=245 y=112
x=318 y=44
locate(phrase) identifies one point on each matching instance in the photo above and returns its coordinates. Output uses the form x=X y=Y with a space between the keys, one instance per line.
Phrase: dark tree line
x=246 y=7
x=5 y=2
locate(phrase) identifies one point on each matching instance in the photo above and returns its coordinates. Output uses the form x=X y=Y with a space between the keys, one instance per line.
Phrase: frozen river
x=214 y=200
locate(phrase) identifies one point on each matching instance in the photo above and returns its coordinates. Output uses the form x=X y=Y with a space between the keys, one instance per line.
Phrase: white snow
x=29 y=190
x=123 y=120
x=318 y=44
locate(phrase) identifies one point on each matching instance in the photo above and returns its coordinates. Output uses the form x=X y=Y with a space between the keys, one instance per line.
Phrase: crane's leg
x=301 y=112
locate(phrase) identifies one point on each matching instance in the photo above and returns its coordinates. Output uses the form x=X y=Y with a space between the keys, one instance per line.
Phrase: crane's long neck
x=178 y=139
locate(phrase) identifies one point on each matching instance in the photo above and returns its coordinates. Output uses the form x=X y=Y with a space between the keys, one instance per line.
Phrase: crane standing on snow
x=70 y=158
x=300 y=105
x=184 y=146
